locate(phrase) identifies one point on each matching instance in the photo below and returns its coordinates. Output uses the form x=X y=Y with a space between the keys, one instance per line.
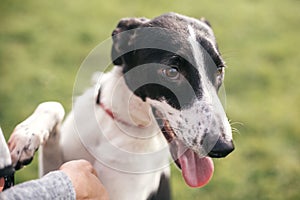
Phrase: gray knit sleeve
x=54 y=185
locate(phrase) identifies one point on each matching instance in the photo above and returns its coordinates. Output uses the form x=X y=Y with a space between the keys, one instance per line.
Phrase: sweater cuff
x=61 y=185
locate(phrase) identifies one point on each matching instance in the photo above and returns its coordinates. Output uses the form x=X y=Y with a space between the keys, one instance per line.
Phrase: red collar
x=98 y=102
x=111 y=114
x=116 y=118
x=108 y=111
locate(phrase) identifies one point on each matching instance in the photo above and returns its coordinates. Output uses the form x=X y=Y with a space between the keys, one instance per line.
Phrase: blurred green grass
x=42 y=44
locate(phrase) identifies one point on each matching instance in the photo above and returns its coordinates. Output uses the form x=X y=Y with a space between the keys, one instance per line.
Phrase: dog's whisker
x=234 y=123
x=235 y=130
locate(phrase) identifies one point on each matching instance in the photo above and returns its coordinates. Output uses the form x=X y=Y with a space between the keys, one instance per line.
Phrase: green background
x=43 y=43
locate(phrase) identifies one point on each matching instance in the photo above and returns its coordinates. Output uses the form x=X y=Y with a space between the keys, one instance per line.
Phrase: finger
x=94 y=172
x=1 y=184
x=89 y=167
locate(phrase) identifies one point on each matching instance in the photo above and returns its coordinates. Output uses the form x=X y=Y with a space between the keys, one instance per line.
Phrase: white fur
x=126 y=163
x=4 y=161
x=129 y=158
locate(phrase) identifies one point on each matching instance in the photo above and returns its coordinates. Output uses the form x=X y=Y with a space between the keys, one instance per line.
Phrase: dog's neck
x=120 y=103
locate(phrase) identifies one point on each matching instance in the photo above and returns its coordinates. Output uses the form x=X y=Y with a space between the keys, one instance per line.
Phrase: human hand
x=84 y=179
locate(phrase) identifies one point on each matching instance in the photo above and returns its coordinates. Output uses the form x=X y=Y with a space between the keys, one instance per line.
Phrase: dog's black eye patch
x=212 y=52
x=163 y=75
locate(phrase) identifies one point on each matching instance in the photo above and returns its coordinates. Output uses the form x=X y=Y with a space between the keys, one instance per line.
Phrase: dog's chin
x=196 y=171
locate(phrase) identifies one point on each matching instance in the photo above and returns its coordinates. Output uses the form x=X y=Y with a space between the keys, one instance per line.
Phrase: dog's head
x=173 y=63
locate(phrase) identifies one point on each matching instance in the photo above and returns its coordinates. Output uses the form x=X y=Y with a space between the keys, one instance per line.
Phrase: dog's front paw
x=23 y=143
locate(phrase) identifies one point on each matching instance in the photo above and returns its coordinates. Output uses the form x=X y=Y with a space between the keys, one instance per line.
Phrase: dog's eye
x=220 y=70
x=172 y=72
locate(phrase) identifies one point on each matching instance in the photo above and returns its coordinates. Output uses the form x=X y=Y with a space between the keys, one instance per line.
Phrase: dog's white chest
x=127 y=158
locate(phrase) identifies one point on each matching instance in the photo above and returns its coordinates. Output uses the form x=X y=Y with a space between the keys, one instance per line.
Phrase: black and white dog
x=160 y=98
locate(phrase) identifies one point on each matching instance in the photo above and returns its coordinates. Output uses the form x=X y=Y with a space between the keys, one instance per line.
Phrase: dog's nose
x=221 y=149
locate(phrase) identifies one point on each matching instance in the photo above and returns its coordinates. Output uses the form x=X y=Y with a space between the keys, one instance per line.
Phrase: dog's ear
x=121 y=42
x=205 y=21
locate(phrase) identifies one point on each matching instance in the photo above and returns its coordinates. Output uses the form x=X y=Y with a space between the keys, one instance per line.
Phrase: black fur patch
x=150 y=81
x=163 y=192
x=132 y=51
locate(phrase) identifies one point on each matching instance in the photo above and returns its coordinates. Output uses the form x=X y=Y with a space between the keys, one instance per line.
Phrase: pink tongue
x=196 y=171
